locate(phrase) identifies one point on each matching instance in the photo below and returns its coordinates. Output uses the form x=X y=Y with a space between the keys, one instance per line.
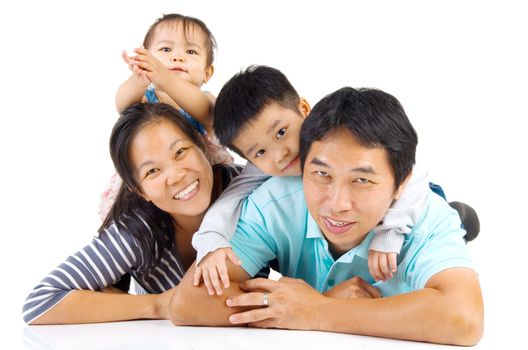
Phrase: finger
x=393 y=263
x=207 y=282
x=384 y=266
x=248 y=299
x=224 y=276
x=197 y=276
x=232 y=257
x=373 y=265
x=215 y=281
x=285 y=279
x=258 y=284
x=372 y=291
x=250 y=316
x=125 y=57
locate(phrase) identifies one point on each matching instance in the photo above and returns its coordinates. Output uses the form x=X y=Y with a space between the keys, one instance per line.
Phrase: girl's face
x=183 y=52
x=173 y=173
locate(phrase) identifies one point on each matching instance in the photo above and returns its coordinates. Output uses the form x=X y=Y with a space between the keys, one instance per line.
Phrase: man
x=357 y=152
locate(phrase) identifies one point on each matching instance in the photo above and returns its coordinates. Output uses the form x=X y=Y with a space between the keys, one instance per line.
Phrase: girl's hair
x=188 y=23
x=149 y=225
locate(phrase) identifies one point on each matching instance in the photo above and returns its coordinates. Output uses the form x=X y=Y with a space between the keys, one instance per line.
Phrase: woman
x=168 y=184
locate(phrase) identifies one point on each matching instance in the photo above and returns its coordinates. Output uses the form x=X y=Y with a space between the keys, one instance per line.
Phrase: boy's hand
x=382 y=265
x=214 y=265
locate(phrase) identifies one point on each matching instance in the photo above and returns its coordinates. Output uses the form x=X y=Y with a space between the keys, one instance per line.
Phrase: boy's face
x=271 y=140
x=183 y=53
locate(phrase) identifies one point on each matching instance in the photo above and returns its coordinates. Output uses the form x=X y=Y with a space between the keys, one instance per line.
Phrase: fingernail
x=229 y=302
x=233 y=319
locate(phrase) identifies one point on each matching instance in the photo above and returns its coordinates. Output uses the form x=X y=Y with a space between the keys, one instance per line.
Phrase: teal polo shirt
x=275 y=223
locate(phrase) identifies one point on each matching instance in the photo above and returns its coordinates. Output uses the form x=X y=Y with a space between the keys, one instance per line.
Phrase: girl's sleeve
x=101 y=263
x=402 y=214
x=220 y=221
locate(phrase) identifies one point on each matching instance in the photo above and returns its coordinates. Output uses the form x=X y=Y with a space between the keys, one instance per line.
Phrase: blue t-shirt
x=275 y=223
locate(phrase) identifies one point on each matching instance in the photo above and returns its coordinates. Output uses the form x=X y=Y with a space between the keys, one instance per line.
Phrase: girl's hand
x=213 y=266
x=137 y=72
x=382 y=265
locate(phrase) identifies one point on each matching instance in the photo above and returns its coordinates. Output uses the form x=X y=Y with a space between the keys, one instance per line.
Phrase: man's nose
x=341 y=199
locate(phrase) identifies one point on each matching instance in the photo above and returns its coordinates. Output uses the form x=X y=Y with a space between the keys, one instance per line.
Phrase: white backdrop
x=458 y=67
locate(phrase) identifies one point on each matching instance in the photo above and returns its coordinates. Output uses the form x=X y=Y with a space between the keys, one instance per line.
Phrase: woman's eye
x=260 y=153
x=151 y=172
x=281 y=133
x=180 y=151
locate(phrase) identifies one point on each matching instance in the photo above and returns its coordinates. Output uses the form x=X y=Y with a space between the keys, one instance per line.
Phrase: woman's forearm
x=83 y=306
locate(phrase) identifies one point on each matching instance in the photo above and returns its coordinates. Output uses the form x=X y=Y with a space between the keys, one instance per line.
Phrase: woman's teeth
x=186 y=191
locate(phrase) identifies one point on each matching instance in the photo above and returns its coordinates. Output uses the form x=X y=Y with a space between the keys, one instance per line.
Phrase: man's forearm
x=430 y=315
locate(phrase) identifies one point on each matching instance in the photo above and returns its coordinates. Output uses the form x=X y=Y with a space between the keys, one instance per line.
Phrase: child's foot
x=469 y=219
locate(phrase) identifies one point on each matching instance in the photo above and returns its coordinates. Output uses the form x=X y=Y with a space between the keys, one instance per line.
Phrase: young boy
x=258 y=114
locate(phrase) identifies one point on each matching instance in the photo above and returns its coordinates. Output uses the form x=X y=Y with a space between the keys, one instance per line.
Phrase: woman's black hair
x=149 y=225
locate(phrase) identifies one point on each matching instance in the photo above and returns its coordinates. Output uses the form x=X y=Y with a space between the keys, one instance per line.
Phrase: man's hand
x=353 y=288
x=382 y=265
x=213 y=266
x=291 y=303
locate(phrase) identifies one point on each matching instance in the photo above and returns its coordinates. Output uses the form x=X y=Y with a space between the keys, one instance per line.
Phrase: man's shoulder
x=437 y=216
x=279 y=191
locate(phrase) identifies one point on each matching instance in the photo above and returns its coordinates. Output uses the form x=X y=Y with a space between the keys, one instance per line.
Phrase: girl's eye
x=165 y=49
x=281 y=133
x=260 y=153
x=192 y=52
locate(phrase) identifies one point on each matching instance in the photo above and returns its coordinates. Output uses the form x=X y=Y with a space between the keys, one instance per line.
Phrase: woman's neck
x=187 y=224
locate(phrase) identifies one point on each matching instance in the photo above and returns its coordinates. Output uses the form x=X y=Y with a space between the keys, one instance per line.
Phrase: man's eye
x=321 y=173
x=260 y=153
x=281 y=133
x=362 y=180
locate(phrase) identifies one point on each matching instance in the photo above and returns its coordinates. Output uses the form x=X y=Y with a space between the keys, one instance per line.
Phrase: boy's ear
x=304 y=107
x=400 y=188
x=208 y=73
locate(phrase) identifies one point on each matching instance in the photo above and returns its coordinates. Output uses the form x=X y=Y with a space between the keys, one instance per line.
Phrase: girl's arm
x=130 y=91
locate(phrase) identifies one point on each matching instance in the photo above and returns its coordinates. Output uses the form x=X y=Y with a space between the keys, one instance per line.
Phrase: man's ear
x=304 y=107
x=401 y=188
x=208 y=73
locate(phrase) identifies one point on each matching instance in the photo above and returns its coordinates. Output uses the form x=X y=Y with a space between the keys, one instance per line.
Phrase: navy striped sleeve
x=98 y=265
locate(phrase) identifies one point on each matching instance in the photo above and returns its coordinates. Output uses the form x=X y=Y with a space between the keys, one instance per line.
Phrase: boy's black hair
x=244 y=97
x=375 y=119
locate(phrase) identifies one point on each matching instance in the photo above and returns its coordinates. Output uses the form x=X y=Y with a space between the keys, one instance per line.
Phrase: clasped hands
x=291 y=303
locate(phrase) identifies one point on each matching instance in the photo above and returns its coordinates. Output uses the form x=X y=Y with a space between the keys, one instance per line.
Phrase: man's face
x=271 y=140
x=348 y=188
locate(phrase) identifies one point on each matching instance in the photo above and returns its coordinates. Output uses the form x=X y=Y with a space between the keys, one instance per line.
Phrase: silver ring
x=265 y=297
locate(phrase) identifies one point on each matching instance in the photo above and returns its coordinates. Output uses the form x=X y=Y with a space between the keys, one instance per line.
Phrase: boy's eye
x=260 y=153
x=281 y=133
x=192 y=52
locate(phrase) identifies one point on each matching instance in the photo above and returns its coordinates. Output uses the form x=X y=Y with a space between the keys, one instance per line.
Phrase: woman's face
x=173 y=173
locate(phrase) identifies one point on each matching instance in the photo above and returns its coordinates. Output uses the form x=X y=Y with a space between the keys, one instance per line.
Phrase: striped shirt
x=103 y=262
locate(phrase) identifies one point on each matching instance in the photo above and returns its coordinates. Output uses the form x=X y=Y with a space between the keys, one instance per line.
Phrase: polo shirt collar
x=313 y=231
